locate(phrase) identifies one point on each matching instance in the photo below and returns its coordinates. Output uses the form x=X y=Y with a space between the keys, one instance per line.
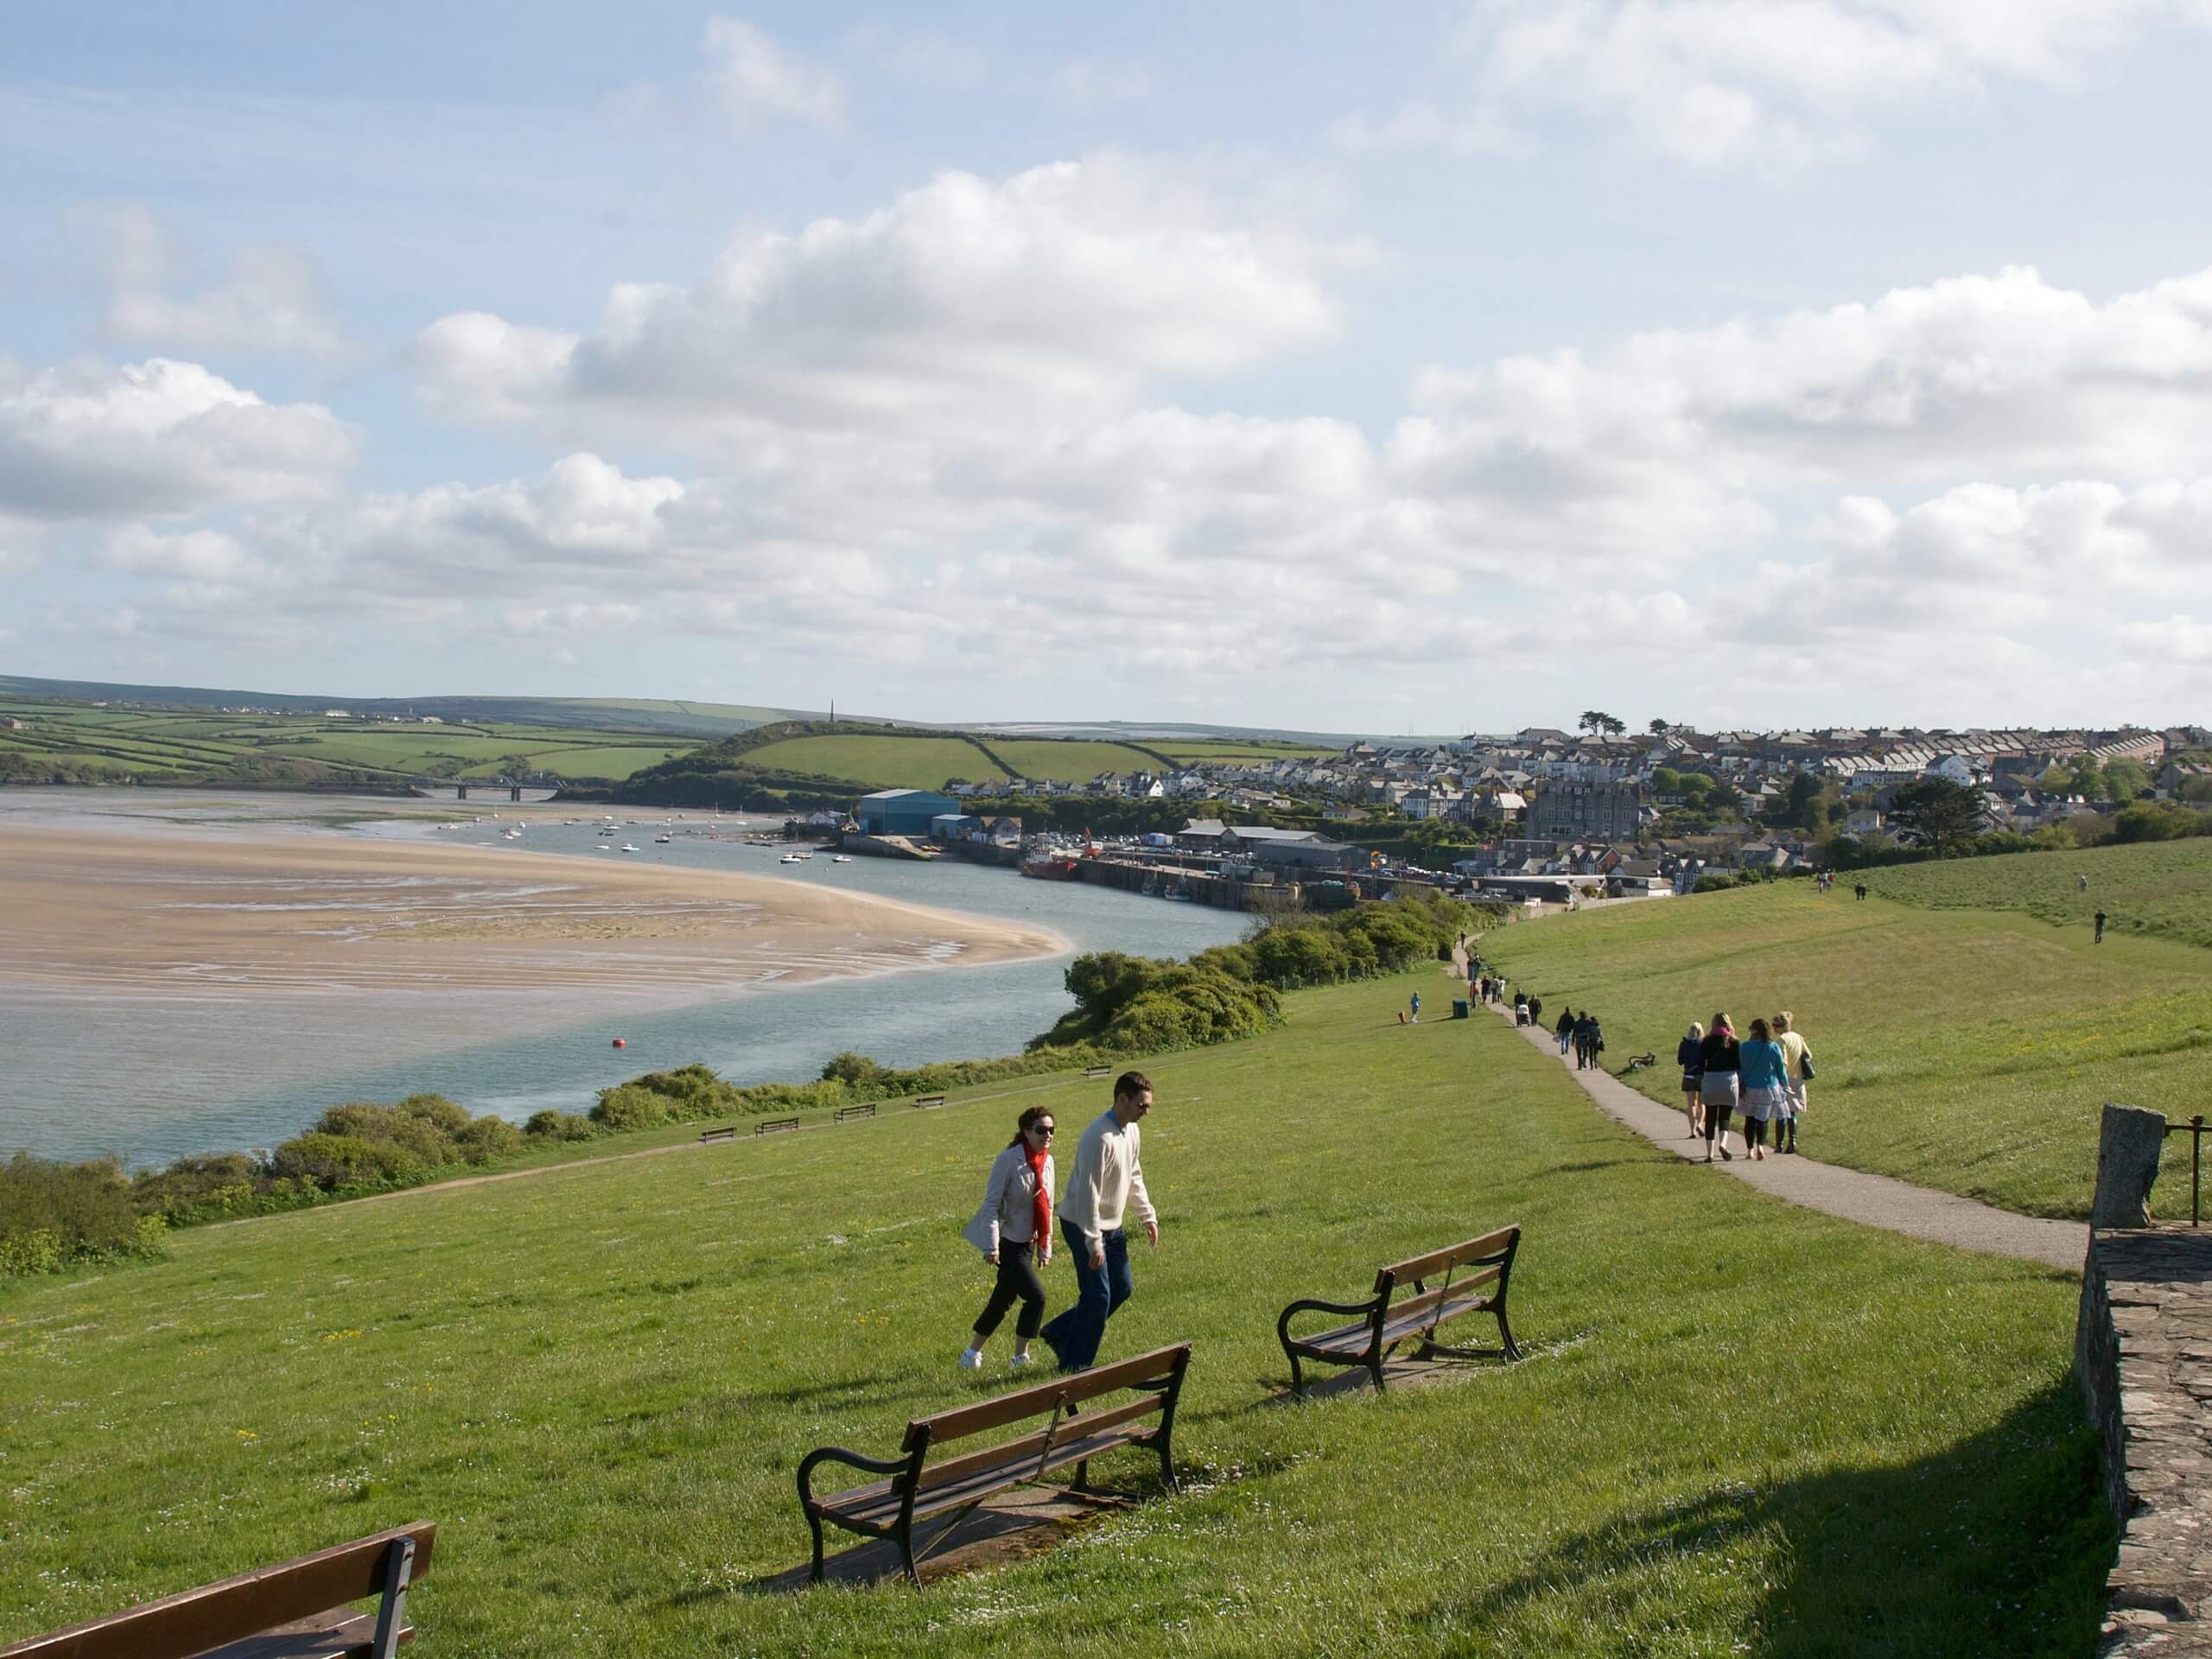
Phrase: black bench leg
x=1083 y=1476
x=1374 y=1368
x=906 y=1554
x=1505 y=1334
x=1296 y=1378
x=815 y=1522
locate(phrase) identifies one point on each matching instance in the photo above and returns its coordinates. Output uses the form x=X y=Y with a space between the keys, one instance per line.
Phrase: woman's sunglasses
x=1040 y=1128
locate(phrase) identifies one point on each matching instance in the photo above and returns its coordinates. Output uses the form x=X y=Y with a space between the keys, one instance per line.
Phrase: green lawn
x=1742 y=1427
x=2162 y=888
x=880 y=762
x=1968 y=1050
x=1068 y=760
x=1228 y=751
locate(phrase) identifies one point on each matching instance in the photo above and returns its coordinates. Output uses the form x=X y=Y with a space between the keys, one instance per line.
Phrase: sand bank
x=144 y=912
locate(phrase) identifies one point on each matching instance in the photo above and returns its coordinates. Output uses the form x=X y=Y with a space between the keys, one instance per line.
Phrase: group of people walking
x=1014 y=1228
x=1760 y=1077
x=1583 y=1035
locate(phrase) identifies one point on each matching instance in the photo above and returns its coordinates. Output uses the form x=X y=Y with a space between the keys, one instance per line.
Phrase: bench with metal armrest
x=1474 y=1277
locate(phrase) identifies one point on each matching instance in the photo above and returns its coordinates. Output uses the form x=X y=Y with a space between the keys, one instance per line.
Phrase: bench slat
x=338 y=1636
x=964 y=1420
x=880 y=1511
x=1442 y=1293
x=189 y=1623
x=1426 y=1267
x=1346 y=1339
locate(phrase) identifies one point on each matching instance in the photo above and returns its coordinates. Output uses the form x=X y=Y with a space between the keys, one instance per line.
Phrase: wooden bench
x=847 y=1114
x=1468 y=1271
x=919 y=1489
x=1092 y=1074
x=712 y=1137
x=276 y=1612
x=928 y=1103
x=775 y=1125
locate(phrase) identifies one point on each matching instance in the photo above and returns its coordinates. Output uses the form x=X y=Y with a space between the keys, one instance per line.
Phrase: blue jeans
x=1074 y=1333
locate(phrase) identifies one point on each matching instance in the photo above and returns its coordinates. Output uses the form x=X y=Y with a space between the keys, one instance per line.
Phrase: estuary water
x=151 y=1077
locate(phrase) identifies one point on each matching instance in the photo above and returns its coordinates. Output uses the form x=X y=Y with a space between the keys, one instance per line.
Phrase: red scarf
x=1041 y=1205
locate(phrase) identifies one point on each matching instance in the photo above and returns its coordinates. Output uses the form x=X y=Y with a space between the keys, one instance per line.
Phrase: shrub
x=331 y=1161
x=52 y=1215
x=550 y=1125
x=487 y=1137
x=633 y=1105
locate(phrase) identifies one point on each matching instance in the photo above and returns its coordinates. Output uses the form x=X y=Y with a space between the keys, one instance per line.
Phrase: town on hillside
x=1545 y=815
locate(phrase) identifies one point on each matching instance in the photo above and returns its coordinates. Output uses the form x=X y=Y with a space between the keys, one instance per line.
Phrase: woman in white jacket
x=1014 y=1230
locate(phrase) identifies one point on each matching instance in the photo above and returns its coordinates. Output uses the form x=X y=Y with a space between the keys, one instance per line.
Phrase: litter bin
x=1459 y=1007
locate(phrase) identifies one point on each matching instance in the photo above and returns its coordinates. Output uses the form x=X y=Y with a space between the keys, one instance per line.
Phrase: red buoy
x=620 y=1043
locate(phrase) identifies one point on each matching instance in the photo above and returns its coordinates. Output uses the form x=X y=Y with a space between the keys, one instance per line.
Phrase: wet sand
x=149 y=913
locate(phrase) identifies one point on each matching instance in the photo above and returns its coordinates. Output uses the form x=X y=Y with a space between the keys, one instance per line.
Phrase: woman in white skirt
x=1796 y=1059
x=1014 y=1230
x=1763 y=1071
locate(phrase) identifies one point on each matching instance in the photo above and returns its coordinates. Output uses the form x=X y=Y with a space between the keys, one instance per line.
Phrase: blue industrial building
x=900 y=811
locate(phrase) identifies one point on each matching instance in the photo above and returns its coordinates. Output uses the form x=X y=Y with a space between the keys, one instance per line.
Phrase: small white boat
x=663 y=841
x=789 y=858
x=842 y=858
x=631 y=846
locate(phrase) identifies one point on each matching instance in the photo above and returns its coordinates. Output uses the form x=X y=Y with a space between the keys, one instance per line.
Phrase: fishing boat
x=789 y=858
x=1049 y=866
x=663 y=841
x=631 y=846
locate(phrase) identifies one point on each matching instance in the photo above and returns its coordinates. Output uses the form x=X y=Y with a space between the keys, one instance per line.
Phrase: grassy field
x=163 y=743
x=880 y=762
x=1068 y=760
x=1968 y=1050
x=1741 y=1428
x=2163 y=889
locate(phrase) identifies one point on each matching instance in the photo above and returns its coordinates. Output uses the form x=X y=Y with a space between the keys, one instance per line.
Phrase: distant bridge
x=487 y=789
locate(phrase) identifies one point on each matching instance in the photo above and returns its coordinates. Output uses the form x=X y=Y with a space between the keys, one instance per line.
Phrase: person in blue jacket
x=1764 y=1070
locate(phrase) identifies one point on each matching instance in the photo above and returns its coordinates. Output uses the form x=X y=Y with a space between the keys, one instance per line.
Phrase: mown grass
x=1968 y=1050
x=2159 y=889
x=880 y=762
x=1742 y=1427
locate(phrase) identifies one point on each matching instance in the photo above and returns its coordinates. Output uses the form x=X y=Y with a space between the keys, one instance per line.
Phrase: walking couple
x=1762 y=1078
x=1014 y=1230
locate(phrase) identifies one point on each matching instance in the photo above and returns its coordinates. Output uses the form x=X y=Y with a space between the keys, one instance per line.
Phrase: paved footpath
x=1876 y=1200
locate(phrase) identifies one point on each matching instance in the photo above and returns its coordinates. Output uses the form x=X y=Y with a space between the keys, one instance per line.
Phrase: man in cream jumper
x=1105 y=1179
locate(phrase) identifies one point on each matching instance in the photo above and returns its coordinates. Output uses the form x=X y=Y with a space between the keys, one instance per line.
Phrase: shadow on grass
x=1996 y=1545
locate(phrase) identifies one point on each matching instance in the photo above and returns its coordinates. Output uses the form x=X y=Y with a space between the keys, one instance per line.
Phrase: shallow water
x=150 y=1076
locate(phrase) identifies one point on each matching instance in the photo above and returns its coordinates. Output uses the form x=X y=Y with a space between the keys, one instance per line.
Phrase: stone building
x=1583 y=812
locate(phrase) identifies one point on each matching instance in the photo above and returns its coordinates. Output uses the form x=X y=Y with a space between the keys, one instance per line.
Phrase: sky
x=1457 y=366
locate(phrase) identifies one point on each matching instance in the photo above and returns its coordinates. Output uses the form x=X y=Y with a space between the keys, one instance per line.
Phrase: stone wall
x=2143 y=1355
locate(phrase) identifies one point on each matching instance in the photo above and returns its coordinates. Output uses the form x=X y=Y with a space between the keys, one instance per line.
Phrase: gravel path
x=1876 y=1200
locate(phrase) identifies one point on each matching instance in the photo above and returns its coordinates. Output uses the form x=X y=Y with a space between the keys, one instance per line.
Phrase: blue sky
x=1794 y=362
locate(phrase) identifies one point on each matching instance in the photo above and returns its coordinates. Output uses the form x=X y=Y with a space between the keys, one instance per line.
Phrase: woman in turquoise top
x=1764 y=1072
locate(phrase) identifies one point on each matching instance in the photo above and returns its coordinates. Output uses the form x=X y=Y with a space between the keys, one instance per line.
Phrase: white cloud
x=272 y=303
x=1769 y=83
x=758 y=79
x=90 y=441
x=1058 y=292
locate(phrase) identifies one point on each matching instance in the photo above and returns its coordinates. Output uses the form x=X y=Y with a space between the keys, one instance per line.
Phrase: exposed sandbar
x=148 y=913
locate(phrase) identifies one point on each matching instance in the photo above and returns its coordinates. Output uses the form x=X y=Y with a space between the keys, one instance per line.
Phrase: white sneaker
x=971 y=1359
x=1015 y=1361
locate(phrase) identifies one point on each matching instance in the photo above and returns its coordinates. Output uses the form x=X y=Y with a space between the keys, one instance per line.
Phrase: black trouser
x=1017 y=1281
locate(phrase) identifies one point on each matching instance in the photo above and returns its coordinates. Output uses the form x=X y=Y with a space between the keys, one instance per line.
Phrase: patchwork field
x=1740 y=1428
x=167 y=744
x=1967 y=1049
x=880 y=762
